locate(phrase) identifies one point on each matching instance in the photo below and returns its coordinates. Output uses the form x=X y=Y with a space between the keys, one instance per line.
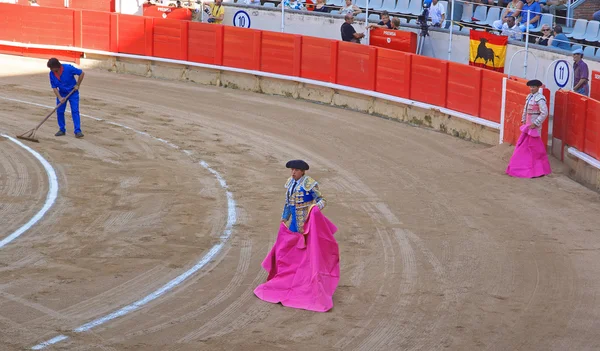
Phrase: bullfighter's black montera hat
x=297 y=164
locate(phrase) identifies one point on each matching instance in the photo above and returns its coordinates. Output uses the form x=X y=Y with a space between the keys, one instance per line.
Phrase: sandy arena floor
x=439 y=249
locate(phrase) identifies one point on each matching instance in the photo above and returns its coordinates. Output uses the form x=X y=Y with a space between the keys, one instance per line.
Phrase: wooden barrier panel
x=393 y=72
x=575 y=122
x=560 y=113
x=133 y=35
x=393 y=39
x=241 y=48
x=281 y=53
x=50 y=26
x=356 y=65
x=595 y=85
x=464 y=88
x=205 y=43
x=95 y=30
x=592 y=129
x=10 y=22
x=319 y=59
x=170 y=39
x=491 y=95
x=516 y=94
x=428 y=78
x=51 y=3
x=93 y=5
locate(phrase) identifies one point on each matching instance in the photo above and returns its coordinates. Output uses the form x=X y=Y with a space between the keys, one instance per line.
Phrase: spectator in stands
x=437 y=13
x=560 y=40
x=512 y=9
x=546 y=36
x=581 y=74
x=395 y=23
x=252 y=2
x=552 y=5
x=321 y=6
x=348 y=31
x=596 y=16
x=293 y=5
x=350 y=8
x=384 y=23
x=216 y=12
x=33 y=3
x=511 y=29
x=534 y=16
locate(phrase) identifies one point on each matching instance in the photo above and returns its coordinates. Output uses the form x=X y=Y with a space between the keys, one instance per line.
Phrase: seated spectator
x=596 y=16
x=216 y=12
x=350 y=8
x=395 y=23
x=321 y=7
x=384 y=23
x=293 y=5
x=348 y=32
x=560 y=40
x=437 y=13
x=534 y=16
x=512 y=9
x=580 y=79
x=552 y=5
x=511 y=29
x=546 y=36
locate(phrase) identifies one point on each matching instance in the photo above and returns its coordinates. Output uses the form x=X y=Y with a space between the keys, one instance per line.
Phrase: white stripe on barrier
x=375 y=94
x=50 y=197
x=584 y=157
x=210 y=255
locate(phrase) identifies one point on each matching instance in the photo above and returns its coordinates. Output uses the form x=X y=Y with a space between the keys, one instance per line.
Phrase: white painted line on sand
x=50 y=197
x=204 y=260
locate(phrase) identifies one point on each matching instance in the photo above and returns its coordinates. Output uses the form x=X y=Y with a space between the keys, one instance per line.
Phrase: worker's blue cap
x=577 y=51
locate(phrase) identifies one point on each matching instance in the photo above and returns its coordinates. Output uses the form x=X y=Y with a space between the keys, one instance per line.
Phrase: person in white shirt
x=350 y=8
x=437 y=13
x=511 y=29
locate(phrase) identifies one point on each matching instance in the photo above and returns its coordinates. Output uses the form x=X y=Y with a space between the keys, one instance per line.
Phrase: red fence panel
x=393 y=72
x=241 y=48
x=560 y=113
x=281 y=53
x=134 y=34
x=10 y=22
x=319 y=59
x=592 y=129
x=205 y=43
x=170 y=39
x=575 y=122
x=516 y=95
x=595 y=85
x=464 y=88
x=93 y=5
x=50 y=26
x=51 y=3
x=356 y=65
x=491 y=95
x=428 y=81
x=95 y=30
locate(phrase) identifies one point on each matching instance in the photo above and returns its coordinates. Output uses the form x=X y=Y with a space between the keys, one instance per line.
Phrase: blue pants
x=60 y=113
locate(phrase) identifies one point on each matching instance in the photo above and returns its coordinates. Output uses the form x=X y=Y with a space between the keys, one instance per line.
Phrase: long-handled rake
x=30 y=134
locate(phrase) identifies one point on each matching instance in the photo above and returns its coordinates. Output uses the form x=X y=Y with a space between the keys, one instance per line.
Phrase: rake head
x=29 y=136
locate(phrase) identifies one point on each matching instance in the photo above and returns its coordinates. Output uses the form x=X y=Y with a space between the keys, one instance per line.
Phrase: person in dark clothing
x=348 y=32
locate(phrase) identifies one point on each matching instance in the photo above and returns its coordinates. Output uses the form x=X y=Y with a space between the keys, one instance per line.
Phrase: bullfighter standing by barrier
x=530 y=159
x=303 y=265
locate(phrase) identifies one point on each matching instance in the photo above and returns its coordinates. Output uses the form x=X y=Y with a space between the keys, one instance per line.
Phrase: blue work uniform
x=65 y=83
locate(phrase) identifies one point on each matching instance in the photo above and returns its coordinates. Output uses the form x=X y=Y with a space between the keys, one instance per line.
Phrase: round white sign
x=561 y=73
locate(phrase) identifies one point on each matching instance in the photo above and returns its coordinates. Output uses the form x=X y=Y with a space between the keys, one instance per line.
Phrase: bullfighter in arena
x=530 y=159
x=303 y=264
x=62 y=81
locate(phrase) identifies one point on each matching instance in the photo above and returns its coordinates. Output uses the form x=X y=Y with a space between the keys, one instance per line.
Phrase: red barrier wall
x=464 y=83
x=170 y=39
x=319 y=59
x=10 y=22
x=48 y=26
x=51 y=3
x=393 y=73
x=356 y=65
x=575 y=122
x=93 y=5
x=595 y=85
x=135 y=35
x=428 y=78
x=205 y=43
x=592 y=129
x=95 y=30
x=560 y=114
x=491 y=95
x=241 y=48
x=393 y=39
x=281 y=53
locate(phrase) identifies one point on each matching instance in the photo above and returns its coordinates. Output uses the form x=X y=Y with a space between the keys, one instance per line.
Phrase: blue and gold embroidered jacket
x=298 y=203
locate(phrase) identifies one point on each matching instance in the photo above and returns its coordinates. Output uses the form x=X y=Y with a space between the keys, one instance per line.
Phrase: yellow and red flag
x=487 y=50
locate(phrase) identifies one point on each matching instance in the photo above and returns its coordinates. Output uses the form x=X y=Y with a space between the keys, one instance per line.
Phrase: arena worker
x=530 y=159
x=62 y=81
x=304 y=263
